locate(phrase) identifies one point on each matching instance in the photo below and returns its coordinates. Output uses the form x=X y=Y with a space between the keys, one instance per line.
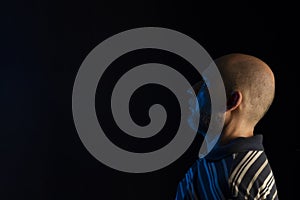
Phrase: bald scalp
x=253 y=78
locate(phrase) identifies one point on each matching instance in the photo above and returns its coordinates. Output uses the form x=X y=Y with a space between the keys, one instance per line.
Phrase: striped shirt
x=238 y=170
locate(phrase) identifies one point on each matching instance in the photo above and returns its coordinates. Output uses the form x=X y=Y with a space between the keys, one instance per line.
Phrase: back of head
x=253 y=78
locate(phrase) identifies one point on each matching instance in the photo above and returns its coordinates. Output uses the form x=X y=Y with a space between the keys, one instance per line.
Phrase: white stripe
x=238 y=166
x=255 y=177
x=270 y=182
x=275 y=194
x=249 y=164
x=240 y=170
x=269 y=188
x=245 y=169
x=263 y=185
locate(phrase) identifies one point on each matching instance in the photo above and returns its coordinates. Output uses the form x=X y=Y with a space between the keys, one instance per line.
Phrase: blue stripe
x=181 y=190
x=191 y=173
x=187 y=180
x=211 y=173
x=192 y=185
x=209 y=179
x=216 y=181
x=201 y=181
x=225 y=169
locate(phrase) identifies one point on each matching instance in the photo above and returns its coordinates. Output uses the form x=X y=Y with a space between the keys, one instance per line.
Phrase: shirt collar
x=240 y=144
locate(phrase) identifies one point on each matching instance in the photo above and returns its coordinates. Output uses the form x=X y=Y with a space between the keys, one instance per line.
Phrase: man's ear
x=234 y=100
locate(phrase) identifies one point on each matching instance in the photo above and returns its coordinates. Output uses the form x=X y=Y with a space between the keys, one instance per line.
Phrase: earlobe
x=234 y=100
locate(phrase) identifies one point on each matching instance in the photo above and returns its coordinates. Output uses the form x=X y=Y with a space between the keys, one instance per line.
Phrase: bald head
x=253 y=78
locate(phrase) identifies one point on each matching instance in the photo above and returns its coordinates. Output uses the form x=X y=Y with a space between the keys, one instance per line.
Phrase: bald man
x=237 y=167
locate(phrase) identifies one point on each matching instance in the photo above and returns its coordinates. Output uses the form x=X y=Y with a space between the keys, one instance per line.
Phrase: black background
x=43 y=44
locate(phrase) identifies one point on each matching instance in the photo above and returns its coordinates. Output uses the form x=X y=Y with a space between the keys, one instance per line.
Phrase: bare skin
x=250 y=88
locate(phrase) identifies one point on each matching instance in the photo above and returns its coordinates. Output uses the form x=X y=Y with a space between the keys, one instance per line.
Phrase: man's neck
x=235 y=129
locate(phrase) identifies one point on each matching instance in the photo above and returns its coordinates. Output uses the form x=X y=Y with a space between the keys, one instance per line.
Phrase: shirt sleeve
x=251 y=177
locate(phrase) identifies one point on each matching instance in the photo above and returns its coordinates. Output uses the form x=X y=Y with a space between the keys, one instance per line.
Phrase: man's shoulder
x=252 y=175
